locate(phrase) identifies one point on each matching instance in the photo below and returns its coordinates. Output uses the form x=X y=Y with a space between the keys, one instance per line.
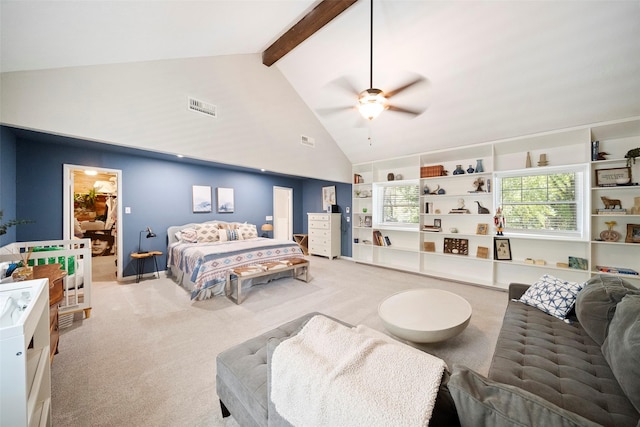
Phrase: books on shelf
x=431 y=228
x=380 y=240
x=617 y=211
x=617 y=270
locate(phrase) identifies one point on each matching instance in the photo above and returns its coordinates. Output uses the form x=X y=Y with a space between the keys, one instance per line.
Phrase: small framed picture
x=633 y=233
x=501 y=249
x=482 y=229
x=367 y=221
x=225 y=200
x=612 y=177
x=437 y=222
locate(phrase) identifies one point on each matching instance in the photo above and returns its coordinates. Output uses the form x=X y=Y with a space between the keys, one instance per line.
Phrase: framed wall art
x=501 y=249
x=482 y=229
x=456 y=246
x=328 y=197
x=225 y=200
x=201 y=198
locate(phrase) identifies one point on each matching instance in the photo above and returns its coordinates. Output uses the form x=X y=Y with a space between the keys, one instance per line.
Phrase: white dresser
x=324 y=234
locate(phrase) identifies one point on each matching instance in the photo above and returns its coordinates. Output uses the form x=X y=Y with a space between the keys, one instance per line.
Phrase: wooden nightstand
x=141 y=257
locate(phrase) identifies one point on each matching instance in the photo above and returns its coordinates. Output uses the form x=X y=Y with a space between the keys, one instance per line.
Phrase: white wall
x=144 y=105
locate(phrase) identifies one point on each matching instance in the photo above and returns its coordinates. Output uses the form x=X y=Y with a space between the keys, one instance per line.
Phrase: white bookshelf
x=567 y=147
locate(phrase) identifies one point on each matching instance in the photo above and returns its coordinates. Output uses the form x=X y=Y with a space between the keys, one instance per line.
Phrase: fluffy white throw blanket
x=332 y=375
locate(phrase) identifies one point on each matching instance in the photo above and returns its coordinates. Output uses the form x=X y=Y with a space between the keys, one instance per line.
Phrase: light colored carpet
x=146 y=357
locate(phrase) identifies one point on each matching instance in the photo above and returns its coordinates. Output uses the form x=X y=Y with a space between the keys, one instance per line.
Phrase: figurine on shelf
x=482 y=209
x=499 y=222
x=478 y=183
x=601 y=155
x=610 y=235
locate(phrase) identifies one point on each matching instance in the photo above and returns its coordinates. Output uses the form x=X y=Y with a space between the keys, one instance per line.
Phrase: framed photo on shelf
x=612 y=177
x=201 y=198
x=501 y=249
x=437 y=222
x=482 y=229
x=367 y=221
x=633 y=233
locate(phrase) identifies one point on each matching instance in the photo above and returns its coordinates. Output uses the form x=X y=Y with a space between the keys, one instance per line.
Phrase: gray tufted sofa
x=548 y=372
x=544 y=372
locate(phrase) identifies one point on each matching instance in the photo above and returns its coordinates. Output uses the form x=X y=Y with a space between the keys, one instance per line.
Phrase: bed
x=200 y=255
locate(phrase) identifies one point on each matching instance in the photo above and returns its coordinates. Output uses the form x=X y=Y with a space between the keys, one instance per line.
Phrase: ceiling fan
x=373 y=101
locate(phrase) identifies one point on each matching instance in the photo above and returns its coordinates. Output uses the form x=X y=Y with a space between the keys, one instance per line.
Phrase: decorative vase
x=479 y=167
x=470 y=169
x=459 y=170
x=528 y=161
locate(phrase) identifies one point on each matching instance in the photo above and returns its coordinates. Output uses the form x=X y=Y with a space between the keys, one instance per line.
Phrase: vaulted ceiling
x=493 y=69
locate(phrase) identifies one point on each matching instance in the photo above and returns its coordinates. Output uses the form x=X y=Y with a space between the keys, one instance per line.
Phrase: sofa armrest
x=516 y=290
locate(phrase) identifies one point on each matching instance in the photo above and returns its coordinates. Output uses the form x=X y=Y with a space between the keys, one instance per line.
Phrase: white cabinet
x=324 y=234
x=25 y=371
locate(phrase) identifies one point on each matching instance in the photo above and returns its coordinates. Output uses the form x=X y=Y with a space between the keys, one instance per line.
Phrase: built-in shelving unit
x=464 y=209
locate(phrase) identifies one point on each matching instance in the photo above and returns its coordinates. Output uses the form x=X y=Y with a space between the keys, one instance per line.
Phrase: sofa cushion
x=482 y=402
x=621 y=348
x=596 y=303
x=560 y=363
x=553 y=296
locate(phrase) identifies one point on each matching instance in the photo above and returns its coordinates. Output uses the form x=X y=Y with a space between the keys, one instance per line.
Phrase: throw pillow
x=621 y=348
x=189 y=235
x=482 y=402
x=207 y=232
x=553 y=296
x=229 y=235
x=596 y=303
x=248 y=231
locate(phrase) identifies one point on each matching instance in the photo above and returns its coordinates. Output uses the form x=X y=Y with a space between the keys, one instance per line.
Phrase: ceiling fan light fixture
x=371 y=103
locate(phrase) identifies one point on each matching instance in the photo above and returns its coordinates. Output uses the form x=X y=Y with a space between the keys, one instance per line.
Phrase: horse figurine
x=611 y=203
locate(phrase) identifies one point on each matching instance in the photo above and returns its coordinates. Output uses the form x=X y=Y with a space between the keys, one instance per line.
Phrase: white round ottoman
x=425 y=315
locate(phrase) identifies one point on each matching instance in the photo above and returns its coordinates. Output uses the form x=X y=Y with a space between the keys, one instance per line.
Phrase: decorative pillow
x=228 y=235
x=227 y=226
x=596 y=303
x=621 y=348
x=553 y=296
x=248 y=231
x=207 y=232
x=483 y=402
x=189 y=235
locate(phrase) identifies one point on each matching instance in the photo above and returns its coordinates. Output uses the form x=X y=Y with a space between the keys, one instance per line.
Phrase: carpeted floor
x=146 y=357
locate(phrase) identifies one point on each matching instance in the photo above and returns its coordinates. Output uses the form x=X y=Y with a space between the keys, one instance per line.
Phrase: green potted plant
x=10 y=223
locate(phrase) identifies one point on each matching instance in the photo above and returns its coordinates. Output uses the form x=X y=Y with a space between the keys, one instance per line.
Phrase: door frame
x=289 y=211
x=67 y=212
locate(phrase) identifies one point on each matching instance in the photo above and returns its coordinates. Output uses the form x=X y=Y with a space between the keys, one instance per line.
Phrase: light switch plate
x=269 y=218
x=127 y=210
x=348 y=209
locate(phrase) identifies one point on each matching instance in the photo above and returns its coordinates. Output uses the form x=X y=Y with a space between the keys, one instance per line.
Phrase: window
x=397 y=205
x=545 y=201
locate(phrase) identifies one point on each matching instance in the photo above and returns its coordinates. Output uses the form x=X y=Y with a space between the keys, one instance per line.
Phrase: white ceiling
x=495 y=69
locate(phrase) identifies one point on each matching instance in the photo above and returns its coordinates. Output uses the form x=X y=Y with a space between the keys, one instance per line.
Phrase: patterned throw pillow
x=228 y=235
x=248 y=231
x=553 y=296
x=189 y=235
x=207 y=232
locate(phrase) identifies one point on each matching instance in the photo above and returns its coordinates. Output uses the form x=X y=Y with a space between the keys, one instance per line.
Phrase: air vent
x=203 y=107
x=308 y=141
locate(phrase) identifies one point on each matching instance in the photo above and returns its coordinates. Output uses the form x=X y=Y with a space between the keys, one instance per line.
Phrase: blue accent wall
x=8 y=183
x=158 y=190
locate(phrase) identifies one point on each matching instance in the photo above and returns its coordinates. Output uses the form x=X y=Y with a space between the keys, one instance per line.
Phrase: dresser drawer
x=319 y=217
x=320 y=250
x=319 y=232
x=319 y=241
x=319 y=224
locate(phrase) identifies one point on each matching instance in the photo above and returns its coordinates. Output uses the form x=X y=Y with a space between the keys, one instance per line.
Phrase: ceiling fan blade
x=334 y=110
x=345 y=85
x=405 y=110
x=404 y=87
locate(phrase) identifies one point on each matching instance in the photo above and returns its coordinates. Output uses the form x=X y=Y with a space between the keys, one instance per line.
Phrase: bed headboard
x=172 y=230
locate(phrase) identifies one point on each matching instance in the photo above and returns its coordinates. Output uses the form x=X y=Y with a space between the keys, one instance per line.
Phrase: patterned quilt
x=206 y=264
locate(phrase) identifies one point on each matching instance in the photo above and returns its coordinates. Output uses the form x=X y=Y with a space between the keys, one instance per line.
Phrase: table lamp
x=266 y=228
x=150 y=234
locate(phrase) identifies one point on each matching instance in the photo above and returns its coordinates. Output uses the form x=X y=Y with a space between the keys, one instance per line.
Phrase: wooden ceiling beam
x=320 y=16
